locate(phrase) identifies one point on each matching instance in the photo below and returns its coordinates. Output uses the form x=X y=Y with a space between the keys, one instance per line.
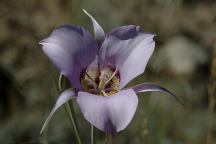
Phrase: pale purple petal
x=94 y=64
x=98 y=30
x=109 y=113
x=146 y=87
x=122 y=108
x=63 y=98
x=127 y=48
x=71 y=48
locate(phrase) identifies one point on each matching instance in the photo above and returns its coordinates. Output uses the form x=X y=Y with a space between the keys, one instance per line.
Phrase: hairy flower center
x=104 y=82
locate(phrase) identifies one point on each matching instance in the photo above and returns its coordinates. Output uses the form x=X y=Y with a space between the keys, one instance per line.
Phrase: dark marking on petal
x=110 y=128
x=126 y=32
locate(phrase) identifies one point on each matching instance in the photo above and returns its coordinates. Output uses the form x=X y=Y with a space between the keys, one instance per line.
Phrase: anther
x=114 y=73
x=91 y=80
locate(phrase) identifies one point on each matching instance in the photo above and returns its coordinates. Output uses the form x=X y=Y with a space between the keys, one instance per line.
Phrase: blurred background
x=184 y=61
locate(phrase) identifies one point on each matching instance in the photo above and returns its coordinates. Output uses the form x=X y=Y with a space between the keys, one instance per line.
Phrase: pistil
x=103 y=82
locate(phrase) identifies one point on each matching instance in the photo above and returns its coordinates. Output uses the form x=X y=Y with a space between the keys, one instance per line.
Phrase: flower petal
x=63 y=98
x=146 y=87
x=108 y=113
x=71 y=48
x=127 y=48
x=98 y=30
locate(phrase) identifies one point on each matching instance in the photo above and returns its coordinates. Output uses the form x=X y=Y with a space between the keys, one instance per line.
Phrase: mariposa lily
x=98 y=68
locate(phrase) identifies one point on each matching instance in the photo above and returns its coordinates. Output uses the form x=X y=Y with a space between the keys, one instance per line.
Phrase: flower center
x=104 y=82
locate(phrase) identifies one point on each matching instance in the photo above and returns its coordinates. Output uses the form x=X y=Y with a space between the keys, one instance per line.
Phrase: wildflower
x=98 y=68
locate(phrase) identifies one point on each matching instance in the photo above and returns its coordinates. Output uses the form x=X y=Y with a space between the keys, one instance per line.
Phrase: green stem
x=106 y=139
x=92 y=135
x=69 y=110
x=60 y=83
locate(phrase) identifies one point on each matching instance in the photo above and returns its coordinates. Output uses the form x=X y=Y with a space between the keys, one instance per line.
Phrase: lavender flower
x=99 y=68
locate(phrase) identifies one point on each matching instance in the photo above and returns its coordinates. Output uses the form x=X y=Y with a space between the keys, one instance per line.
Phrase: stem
x=106 y=139
x=73 y=122
x=92 y=135
x=69 y=110
x=60 y=83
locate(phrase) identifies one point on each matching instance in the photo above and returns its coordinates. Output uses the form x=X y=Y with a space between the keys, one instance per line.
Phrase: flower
x=98 y=68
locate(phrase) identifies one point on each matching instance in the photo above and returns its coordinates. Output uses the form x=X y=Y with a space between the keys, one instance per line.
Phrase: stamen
x=101 y=84
x=91 y=80
x=104 y=93
x=111 y=76
x=104 y=82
